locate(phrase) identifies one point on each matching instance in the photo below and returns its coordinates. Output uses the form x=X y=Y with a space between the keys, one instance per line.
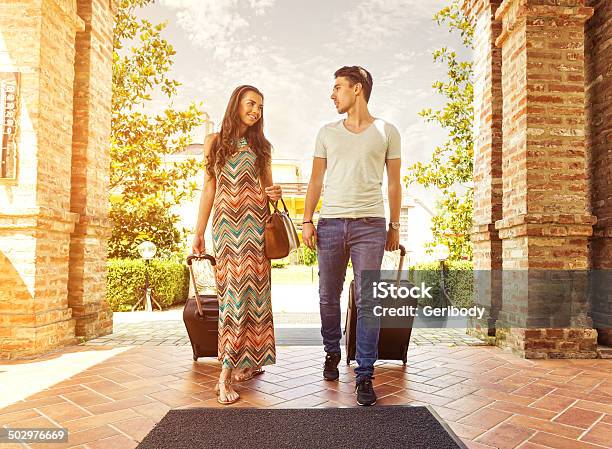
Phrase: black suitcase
x=392 y=342
x=201 y=316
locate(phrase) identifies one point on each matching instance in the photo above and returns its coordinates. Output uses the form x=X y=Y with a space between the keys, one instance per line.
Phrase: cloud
x=374 y=24
x=222 y=26
x=419 y=138
x=260 y=6
x=403 y=64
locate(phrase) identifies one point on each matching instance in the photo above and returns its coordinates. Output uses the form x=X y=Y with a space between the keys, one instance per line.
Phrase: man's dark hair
x=357 y=74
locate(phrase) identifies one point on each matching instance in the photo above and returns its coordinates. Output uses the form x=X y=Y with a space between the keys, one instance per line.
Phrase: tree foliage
x=450 y=168
x=144 y=186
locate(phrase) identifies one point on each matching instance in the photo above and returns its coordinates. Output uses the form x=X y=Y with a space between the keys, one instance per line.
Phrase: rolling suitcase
x=392 y=341
x=201 y=316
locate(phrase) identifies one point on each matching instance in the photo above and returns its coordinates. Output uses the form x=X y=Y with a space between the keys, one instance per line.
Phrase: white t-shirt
x=355 y=167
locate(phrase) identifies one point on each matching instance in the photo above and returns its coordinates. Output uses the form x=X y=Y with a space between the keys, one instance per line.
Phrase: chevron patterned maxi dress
x=246 y=330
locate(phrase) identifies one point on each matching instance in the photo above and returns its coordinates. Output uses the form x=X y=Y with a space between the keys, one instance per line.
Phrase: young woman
x=237 y=178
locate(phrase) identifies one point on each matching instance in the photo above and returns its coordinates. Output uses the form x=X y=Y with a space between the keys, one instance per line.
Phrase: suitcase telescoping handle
x=190 y=259
x=401 y=263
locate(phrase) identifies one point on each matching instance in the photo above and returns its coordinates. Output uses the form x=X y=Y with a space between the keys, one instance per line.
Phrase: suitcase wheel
x=195 y=358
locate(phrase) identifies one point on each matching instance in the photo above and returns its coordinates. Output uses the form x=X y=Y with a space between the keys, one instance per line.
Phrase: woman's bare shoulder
x=210 y=138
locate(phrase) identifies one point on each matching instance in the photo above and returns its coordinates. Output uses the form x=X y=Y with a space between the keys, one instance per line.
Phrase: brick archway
x=542 y=167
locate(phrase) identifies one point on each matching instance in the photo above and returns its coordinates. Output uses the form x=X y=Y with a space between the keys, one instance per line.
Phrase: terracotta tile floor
x=111 y=397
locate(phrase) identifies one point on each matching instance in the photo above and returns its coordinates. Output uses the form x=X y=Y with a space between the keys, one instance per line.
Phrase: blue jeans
x=363 y=240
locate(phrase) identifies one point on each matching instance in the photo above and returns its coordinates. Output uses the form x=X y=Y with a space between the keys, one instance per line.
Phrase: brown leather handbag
x=280 y=236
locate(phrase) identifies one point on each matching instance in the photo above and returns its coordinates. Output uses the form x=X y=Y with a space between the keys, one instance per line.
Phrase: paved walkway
x=296 y=318
x=294 y=328
x=110 y=392
x=172 y=332
x=111 y=397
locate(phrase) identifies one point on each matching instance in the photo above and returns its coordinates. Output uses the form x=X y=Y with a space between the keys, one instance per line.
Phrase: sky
x=290 y=49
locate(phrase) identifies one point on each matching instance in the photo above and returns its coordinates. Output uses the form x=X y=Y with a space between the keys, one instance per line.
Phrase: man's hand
x=309 y=235
x=392 y=240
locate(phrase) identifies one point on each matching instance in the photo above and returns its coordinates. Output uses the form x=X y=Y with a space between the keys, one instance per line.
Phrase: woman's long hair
x=225 y=145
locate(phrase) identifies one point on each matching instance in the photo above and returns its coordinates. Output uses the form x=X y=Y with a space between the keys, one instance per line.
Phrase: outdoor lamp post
x=441 y=253
x=147 y=251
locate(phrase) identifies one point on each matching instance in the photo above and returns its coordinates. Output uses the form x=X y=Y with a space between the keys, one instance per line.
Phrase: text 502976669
x=33 y=435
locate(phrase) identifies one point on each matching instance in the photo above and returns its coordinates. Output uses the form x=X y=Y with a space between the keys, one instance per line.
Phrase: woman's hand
x=274 y=192
x=198 y=246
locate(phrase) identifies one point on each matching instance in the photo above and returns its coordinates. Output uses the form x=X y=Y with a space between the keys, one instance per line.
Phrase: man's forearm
x=395 y=201
x=312 y=199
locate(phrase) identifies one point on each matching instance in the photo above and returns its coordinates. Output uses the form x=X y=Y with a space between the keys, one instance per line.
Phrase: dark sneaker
x=365 y=392
x=330 y=369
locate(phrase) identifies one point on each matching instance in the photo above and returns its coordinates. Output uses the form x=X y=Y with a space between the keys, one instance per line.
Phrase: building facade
x=543 y=165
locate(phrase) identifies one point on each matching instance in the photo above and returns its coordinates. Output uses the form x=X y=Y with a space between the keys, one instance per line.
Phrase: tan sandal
x=252 y=374
x=227 y=383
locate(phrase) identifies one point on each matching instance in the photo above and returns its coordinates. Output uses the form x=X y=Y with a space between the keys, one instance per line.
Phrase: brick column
x=599 y=145
x=35 y=218
x=487 y=164
x=547 y=221
x=90 y=166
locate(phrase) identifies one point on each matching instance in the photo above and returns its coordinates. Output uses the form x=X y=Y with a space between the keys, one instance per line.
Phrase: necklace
x=242 y=142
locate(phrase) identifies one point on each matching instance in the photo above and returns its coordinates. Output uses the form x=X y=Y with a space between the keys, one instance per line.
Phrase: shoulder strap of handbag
x=274 y=205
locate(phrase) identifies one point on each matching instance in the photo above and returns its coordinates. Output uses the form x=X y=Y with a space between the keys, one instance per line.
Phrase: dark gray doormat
x=333 y=428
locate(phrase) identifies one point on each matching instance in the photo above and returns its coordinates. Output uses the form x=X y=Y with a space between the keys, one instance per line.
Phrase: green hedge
x=459 y=281
x=169 y=280
x=279 y=263
x=309 y=256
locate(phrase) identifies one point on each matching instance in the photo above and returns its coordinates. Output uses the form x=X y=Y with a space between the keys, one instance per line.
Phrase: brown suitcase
x=201 y=316
x=392 y=342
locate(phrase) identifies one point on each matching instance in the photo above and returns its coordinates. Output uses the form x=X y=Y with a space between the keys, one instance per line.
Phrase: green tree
x=143 y=186
x=451 y=168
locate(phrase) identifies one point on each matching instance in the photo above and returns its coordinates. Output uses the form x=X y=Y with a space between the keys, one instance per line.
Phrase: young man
x=354 y=152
